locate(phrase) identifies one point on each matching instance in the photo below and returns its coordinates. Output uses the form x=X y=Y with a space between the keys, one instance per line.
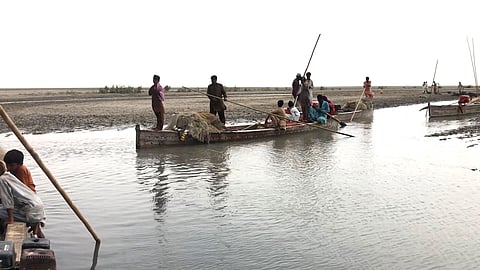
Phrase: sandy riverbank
x=66 y=110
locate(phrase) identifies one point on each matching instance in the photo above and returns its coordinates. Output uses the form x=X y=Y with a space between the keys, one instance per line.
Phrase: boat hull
x=150 y=138
x=437 y=111
x=359 y=115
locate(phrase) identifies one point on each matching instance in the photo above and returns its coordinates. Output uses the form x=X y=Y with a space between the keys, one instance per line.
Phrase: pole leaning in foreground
x=50 y=176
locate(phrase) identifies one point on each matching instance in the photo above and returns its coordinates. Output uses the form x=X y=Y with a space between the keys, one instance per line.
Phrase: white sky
x=94 y=43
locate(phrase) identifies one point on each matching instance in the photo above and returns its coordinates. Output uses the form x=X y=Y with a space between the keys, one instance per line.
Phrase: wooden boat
x=470 y=108
x=358 y=115
x=150 y=138
x=21 y=250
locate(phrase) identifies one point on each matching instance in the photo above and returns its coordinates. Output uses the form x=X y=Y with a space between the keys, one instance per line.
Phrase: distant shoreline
x=44 y=110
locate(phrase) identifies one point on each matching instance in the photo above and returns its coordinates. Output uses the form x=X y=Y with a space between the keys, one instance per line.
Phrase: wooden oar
x=50 y=176
x=248 y=107
x=342 y=124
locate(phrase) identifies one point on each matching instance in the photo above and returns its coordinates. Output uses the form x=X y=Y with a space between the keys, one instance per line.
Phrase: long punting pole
x=305 y=72
x=472 y=60
x=50 y=176
x=248 y=107
x=434 y=73
x=309 y=60
x=358 y=103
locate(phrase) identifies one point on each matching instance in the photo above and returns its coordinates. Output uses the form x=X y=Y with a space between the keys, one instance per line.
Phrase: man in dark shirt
x=216 y=94
x=296 y=87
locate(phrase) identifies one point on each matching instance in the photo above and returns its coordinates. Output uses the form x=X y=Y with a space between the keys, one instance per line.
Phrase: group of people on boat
x=19 y=199
x=302 y=94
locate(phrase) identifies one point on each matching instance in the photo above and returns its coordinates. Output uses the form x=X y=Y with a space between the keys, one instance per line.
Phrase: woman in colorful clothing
x=319 y=113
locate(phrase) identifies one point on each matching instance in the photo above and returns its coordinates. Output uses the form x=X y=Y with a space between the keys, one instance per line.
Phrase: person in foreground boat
x=20 y=203
x=216 y=93
x=158 y=97
x=14 y=162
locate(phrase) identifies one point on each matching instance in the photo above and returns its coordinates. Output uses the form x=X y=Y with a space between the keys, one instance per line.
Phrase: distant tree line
x=121 y=89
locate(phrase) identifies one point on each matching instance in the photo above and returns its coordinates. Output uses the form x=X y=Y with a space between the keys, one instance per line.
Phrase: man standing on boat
x=216 y=93
x=309 y=85
x=296 y=87
x=367 y=89
x=305 y=98
x=158 y=97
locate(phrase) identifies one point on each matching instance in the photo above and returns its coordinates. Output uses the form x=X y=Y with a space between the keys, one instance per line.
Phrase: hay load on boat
x=198 y=125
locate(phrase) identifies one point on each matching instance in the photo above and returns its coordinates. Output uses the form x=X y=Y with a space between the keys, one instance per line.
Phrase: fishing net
x=199 y=125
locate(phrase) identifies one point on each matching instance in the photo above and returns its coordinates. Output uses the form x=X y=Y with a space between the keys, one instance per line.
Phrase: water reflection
x=217 y=172
x=165 y=171
x=151 y=175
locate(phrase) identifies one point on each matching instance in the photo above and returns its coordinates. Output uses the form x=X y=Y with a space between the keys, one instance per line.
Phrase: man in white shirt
x=294 y=112
x=19 y=203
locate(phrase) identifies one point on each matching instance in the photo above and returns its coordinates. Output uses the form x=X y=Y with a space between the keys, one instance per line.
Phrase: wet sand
x=67 y=110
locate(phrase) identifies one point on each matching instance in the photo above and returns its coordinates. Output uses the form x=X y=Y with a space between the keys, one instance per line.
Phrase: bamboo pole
x=474 y=67
x=358 y=103
x=434 y=74
x=251 y=108
x=309 y=60
x=50 y=176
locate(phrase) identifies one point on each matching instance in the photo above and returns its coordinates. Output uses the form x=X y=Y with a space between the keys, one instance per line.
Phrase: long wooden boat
x=452 y=110
x=150 y=138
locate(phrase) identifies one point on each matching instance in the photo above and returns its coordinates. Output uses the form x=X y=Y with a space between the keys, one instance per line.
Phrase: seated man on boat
x=277 y=118
x=319 y=113
x=292 y=112
x=19 y=203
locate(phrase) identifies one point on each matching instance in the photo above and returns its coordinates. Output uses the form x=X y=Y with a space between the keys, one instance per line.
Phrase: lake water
x=389 y=198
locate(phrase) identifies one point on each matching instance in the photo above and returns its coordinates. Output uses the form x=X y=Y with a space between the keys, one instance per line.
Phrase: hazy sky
x=246 y=43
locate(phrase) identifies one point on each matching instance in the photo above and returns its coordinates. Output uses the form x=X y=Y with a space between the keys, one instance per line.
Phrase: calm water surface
x=389 y=198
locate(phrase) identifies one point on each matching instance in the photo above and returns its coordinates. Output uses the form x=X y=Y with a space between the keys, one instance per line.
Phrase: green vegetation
x=120 y=89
